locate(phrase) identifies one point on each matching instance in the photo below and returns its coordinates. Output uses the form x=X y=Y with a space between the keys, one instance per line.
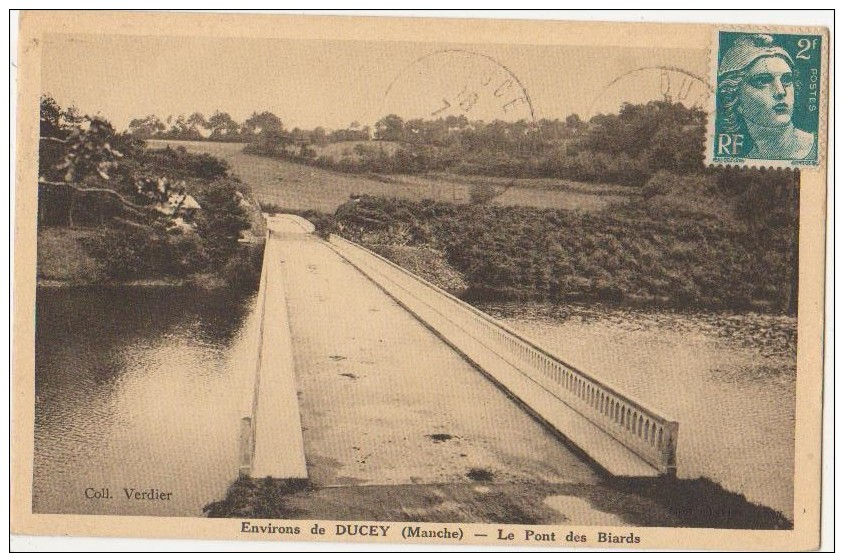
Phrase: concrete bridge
x=367 y=374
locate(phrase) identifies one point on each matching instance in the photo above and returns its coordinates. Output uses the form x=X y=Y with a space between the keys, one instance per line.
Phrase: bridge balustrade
x=650 y=435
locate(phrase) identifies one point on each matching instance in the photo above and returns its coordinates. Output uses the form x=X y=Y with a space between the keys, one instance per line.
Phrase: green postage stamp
x=768 y=99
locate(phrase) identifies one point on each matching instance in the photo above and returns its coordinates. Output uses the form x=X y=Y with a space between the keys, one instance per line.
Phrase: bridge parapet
x=271 y=442
x=639 y=428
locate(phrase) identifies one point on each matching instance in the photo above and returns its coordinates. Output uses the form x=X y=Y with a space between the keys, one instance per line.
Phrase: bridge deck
x=385 y=401
x=492 y=359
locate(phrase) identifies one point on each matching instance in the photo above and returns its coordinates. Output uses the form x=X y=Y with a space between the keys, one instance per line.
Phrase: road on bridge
x=392 y=415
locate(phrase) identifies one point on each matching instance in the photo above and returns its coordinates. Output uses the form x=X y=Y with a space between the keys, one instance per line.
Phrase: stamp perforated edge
x=816 y=165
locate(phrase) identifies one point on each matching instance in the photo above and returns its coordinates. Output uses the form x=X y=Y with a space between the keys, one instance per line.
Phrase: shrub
x=482 y=193
x=178 y=163
x=243 y=269
x=637 y=251
x=188 y=254
x=221 y=220
x=130 y=252
x=656 y=186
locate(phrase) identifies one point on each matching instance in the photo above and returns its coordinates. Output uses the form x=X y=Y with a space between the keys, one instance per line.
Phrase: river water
x=144 y=388
x=729 y=379
x=138 y=388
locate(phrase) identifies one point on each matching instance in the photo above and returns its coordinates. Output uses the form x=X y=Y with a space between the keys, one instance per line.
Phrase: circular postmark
x=645 y=84
x=457 y=83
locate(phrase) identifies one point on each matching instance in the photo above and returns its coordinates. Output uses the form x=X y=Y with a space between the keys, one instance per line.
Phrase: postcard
x=399 y=280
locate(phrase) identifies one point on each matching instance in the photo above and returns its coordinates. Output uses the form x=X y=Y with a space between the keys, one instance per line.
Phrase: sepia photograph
x=325 y=278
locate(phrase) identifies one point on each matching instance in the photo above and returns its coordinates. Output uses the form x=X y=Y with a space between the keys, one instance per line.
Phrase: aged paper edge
x=33 y=24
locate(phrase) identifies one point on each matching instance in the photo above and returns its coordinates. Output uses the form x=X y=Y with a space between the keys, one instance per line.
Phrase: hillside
x=297 y=186
x=664 y=230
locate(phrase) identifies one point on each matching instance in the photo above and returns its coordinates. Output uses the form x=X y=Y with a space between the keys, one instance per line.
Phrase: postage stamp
x=768 y=100
x=418 y=281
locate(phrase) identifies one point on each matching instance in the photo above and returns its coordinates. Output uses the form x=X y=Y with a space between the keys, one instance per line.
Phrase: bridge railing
x=650 y=435
x=249 y=423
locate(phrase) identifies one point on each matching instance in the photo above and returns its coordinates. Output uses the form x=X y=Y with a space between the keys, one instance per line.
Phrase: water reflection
x=138 y=388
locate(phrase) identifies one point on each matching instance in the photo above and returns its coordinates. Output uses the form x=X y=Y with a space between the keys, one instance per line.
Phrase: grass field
x=297 y=186
x=556 y=199
x=338 y=150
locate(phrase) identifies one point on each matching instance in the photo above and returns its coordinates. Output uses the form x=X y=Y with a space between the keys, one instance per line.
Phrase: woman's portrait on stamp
x=757 y=89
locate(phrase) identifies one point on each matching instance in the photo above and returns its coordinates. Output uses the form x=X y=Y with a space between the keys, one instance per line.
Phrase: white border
x=790 y=17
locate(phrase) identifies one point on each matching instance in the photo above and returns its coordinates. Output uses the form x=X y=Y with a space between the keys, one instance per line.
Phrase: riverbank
x=698 y=242
x=672 y=504
x=139 y=216
x=64 y=261
x=639 y=253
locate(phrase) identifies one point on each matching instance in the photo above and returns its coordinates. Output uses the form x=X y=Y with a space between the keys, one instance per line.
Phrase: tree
x=89 y=152
x=88 y=155
x=72 y=116
x=198 y=125
x=271 y=143
x=146 y=127
x=259 y=122
x=319 y=135
x=390 y=127
x=574 y=124
x=678 y=149
x=221 y=220
x=55 y=121
x=457 y=121
x=53 y=133
x=188 y=128
x=768 y=202
x=223 y=127
x=197 y=120
x=51 y=123
x=178 y=129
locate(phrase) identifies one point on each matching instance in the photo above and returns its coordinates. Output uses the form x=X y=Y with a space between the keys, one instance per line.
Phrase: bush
x=221 y=220
x=482 y=193
x=635 y=251
x=243 y=269
x=178 y=163
x=135 y=252
x=658 y=185
x=188 y=254
x=131 y=252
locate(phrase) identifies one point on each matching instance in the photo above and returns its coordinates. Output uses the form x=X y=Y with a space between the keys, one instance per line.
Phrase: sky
x=310 y=83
